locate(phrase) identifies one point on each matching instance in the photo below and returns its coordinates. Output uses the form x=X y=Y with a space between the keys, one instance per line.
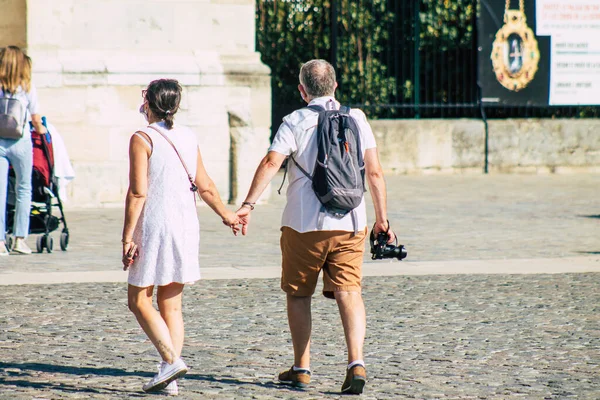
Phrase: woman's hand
x=130 y=252
x=36 y=121
x=231 y=220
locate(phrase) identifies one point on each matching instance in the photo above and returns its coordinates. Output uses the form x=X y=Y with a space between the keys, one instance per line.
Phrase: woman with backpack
x=19 y=101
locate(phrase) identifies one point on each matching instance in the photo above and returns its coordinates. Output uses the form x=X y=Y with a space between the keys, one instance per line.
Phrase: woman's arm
x=34 y=110
x=36 y=120
x=208 y=192
x=138 y=187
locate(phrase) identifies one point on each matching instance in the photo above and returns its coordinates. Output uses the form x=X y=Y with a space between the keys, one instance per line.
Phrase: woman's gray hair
x=318 y=78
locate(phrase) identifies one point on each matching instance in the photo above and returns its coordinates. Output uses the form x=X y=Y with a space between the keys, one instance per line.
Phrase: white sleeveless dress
x=167 y=232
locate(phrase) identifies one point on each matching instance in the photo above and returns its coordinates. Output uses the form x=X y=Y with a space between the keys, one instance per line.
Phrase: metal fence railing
x=394 y=58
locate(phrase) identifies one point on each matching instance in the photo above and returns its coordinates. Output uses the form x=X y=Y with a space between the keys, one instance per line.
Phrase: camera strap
x=386 y=232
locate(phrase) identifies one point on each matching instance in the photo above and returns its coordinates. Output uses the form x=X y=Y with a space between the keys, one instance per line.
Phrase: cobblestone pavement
x=447 y=337
x=450 y=336
x=450 y=217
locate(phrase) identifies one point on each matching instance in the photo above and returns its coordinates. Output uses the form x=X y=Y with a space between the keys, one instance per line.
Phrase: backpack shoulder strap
x=345 y=110
x=287 y=166
x=316 y=108
x=309 y=176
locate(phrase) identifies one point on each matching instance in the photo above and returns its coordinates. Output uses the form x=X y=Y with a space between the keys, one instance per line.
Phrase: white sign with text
x=575 y=69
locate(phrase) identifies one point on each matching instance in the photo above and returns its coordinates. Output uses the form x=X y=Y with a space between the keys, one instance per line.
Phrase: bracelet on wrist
x=126 y=241
x=247 y=203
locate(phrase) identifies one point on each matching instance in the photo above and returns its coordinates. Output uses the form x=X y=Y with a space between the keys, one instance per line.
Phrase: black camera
x=380 y=248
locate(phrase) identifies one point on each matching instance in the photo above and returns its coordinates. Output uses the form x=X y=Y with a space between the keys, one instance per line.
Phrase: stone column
x=92 y=59
x=13 y=23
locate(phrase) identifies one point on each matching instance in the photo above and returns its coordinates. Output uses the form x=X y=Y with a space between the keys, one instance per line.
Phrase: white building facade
x=92 y=58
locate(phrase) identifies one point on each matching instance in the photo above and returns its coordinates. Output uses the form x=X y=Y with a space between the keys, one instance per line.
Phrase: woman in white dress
x=161 y=232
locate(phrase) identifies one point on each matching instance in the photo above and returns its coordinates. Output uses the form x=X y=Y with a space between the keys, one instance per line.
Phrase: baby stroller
x=43 y=198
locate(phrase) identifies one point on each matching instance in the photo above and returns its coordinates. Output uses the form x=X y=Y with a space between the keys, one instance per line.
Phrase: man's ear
x=303 y=92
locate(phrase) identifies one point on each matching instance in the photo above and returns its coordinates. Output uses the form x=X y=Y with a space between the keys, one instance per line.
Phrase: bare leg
x=140 y=303
x=354 y=320
x=169 y=304
x=299 y=319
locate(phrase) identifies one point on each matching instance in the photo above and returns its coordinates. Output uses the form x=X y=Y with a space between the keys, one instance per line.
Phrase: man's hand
x=384 y=227
x=244 y=217
x=231 y=220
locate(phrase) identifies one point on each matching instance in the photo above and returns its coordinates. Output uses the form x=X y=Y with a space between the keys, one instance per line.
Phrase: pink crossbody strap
x=193 y=186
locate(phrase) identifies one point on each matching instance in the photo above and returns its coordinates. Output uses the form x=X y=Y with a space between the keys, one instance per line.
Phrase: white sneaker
x=3 y=249
x=21 y=247
x=167 y=373
x=171 y=389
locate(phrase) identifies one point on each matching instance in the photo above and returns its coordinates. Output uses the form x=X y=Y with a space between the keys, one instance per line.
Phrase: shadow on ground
x=597 y=216
x=66 y=369
x=62 y=387
x=23 y=370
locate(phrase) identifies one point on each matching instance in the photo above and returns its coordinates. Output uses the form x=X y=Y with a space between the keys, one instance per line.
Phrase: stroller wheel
x=40 y=243
x=64 y=241
x=49 y=244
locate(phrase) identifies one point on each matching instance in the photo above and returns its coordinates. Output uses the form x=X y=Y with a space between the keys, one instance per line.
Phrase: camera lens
x=401 y=252
x=396 y=252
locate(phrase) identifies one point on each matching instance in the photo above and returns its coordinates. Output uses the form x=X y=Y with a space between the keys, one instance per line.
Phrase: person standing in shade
x=15 y=82
x=311 y=241
x=161 y=229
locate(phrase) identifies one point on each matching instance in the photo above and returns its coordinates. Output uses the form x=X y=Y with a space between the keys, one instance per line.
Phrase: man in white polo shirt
x=311 y=242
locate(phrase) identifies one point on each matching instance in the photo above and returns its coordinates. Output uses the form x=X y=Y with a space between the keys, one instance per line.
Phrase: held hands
x=231 y=220
x=236 y=222
x=240 y=218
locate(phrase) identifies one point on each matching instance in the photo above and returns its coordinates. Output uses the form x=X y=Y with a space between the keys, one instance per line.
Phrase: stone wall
x=545 y=145
x=515 y=145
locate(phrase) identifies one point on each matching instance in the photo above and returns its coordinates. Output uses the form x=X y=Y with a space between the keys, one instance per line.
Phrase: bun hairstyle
x=164 y=96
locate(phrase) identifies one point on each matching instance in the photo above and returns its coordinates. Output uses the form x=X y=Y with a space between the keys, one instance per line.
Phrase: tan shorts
x=338 y=253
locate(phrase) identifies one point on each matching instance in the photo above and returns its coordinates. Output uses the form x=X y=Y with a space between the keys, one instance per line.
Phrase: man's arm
x=376 y=182
x=265 y=172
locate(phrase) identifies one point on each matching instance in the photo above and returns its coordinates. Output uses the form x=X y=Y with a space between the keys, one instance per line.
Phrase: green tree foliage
x=363 y=37
x=376 y=56
x=290 y=32
x=446 y=51
x=447 y=25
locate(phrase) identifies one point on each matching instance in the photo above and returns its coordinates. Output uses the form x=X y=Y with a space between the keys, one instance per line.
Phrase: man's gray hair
x=318 y=78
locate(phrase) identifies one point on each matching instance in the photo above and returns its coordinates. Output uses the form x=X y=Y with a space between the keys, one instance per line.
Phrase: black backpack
x=338 y=177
